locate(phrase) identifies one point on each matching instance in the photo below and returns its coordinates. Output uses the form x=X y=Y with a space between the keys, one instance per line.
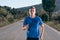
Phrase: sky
x=19 y=3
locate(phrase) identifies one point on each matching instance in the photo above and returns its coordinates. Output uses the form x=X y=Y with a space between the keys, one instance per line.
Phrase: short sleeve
x=40 y=21
x=25 y=22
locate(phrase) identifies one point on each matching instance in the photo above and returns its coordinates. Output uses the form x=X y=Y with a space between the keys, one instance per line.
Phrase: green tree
x=7 y=8
x=49 y=6
x=45 y=17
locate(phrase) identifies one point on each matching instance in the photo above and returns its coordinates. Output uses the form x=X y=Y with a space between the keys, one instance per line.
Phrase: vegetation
x=54 y=21
x=9 y=15
x=45 y=17
x=48 y=6
x=54 y=25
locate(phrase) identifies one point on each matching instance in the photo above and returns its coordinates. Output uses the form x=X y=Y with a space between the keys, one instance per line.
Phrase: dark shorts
x=32 y=38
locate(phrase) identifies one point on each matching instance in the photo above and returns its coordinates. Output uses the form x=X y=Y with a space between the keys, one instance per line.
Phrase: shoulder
x=26 y=17
x=38 y=17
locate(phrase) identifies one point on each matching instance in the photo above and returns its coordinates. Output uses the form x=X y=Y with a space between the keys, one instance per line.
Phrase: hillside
x=57 y=5
x=39 y=6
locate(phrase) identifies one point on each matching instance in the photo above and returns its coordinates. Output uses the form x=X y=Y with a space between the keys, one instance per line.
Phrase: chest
x=33 y=21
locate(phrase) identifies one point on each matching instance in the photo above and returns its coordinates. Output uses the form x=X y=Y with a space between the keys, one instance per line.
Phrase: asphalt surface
x=14 y=32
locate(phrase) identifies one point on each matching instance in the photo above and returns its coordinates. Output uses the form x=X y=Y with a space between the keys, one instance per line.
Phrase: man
x=31 y=24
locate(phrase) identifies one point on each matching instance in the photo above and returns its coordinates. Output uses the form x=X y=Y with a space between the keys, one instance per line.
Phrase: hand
x=25 y=27
x=41 y=37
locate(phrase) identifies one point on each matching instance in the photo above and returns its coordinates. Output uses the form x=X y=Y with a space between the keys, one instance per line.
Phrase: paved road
x=51 y=34
x=14 y=32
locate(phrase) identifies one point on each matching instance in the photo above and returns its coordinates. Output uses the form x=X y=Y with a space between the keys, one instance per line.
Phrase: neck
x=32 y=16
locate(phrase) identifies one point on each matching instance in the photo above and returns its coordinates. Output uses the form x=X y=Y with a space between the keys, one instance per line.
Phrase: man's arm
x=42 y=32
x=25 y=24
x=25 y=27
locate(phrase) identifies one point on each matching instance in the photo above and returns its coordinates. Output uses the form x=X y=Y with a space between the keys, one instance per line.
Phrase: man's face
x=32 y=11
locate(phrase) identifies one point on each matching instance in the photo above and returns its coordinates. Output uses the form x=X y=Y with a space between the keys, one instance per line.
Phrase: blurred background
x=15 y=10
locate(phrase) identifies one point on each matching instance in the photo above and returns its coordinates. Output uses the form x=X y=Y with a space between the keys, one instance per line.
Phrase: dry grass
x=4 y=23
x=54 y=24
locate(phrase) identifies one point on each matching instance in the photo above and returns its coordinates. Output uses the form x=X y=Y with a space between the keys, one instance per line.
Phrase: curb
x=52 y=28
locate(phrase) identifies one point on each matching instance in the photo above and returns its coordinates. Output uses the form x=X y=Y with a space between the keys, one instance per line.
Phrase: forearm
x=42 y=28
x=42 y=32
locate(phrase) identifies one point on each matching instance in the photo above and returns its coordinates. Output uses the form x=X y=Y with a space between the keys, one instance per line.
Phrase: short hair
x=32 y=7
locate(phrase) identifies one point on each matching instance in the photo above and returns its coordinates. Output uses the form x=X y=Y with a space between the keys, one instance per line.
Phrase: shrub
x=45 y=17
x=10 y=18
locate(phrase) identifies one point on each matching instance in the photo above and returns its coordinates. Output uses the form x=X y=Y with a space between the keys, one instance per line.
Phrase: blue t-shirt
x=33 y=23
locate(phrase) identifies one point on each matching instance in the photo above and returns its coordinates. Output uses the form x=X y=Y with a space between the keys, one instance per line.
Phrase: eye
x=32 y=10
